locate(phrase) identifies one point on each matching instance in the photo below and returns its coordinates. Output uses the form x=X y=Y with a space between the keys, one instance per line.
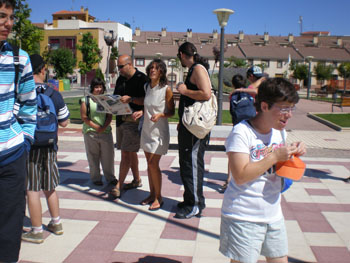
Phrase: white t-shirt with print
x=258 y=200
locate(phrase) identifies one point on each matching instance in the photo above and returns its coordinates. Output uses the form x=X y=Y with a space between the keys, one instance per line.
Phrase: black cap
x=37 y=61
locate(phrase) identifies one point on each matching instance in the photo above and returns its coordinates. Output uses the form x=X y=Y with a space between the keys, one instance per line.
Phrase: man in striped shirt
x=17 y=125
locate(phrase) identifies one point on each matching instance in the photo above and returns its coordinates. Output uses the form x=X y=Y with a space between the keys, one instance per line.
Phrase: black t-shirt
x=133 y=87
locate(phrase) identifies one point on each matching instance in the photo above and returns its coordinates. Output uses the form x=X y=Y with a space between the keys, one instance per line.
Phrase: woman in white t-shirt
x=252 y=222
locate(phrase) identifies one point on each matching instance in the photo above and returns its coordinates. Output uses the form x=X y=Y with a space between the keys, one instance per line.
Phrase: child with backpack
x=98 y=137
x=43 y=173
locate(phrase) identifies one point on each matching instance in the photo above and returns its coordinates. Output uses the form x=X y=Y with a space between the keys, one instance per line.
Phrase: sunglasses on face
x=122 y=66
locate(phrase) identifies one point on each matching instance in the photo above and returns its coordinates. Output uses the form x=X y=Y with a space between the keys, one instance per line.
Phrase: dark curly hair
x=274 y=90
x=162 y=68
x=95 y=82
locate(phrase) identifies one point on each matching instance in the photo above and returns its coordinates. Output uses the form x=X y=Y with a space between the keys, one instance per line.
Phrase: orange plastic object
x=293 y=168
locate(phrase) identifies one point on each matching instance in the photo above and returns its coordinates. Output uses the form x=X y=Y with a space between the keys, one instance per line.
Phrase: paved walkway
x=316 y=209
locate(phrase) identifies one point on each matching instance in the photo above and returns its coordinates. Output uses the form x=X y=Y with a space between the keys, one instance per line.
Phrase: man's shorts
x=43 y=172
x=128 y=137
x=244 y=241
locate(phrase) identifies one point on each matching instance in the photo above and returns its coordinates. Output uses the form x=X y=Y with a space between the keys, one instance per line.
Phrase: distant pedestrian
x=255 y=76
x=17 y=124
x=98 y=137
x=252 y=222
x=197 y=87
x=158 y=107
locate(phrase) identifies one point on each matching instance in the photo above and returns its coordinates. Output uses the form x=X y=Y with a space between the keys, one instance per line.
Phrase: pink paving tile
x=313 y=222
x=334 y=207
x=185 y=229
x=211 y=212
x=88 y=255
x=331 y=254
x=322 y=192
x=303 y=207
x=124 y=257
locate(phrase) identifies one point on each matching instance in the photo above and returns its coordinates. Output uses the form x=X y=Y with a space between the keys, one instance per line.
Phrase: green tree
x=114 y=53
x=26 y=35
x=300 y=72
x=344 y=72
x=99 y=74
x=63 y=62
x=90 y=52
x=323 y=72
x=236 y=62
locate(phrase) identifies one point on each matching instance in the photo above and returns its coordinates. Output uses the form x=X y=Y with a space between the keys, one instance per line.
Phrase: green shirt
x=96 y=117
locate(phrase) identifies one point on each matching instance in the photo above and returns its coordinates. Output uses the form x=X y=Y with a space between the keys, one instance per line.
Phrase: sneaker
x=57 y=229
x=188 y=212
x=133 y=184
x=33 y=237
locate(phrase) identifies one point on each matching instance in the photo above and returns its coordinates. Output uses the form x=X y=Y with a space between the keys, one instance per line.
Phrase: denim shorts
x=245 y=241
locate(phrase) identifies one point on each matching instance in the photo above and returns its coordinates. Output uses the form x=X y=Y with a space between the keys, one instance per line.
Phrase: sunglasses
x=122 y=66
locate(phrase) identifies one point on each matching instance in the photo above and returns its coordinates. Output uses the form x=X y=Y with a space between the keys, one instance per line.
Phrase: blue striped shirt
x=14 y=131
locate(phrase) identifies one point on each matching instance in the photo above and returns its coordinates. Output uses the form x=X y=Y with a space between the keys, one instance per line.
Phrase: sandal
x=133 y=184
x=149 y=200
x=152 y=208
x=115 y=193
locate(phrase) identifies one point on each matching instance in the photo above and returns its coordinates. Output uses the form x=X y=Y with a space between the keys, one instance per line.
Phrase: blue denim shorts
x=245 y=241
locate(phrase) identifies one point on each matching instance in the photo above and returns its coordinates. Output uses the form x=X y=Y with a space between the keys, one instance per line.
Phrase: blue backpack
x=241 y=107
x=47 y=122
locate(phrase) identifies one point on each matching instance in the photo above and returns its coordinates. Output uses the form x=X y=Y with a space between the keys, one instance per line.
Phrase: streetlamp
x=309 y=60
x=109 y=39
x=132 y=46
x=172 y=63
x=223 y=15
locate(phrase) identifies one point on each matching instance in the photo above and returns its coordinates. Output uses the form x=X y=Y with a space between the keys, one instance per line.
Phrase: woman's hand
x=300 y=148
x=285 y=153
x=137 y=114
x=181 y=88
x=156 y=117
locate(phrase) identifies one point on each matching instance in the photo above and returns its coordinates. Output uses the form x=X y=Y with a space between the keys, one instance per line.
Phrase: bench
x=344 y=102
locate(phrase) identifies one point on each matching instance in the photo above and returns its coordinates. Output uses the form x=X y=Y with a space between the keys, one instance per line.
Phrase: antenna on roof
x=301 y=24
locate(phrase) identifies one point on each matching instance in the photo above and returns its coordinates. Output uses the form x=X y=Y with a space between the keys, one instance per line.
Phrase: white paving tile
x=297 y=243
x=340 y=223
x=57 y=248
x=175 y=247
x=208 y=252
x=324 y=239
x=211 y=230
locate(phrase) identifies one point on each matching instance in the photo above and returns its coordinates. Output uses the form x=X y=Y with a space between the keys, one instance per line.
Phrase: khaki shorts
x=128 y=137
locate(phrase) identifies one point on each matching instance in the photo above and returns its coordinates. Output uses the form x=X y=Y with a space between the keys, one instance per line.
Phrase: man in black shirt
x=130 y=85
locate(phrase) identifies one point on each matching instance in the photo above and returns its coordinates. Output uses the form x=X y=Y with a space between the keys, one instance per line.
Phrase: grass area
x=342 y=120
x=74 y=109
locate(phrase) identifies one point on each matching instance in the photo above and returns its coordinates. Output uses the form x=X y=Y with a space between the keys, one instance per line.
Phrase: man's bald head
x=125 y=66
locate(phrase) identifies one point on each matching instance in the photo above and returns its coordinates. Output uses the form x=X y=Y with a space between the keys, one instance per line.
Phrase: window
x=279 y=63
x=54 y=43
x=266 y=63
x=140 y=62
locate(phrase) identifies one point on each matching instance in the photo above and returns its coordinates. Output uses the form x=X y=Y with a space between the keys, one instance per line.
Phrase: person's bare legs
x=135 y=166
x=150 y=198
x=52 y=203
x=155 y=174
x=34 y=206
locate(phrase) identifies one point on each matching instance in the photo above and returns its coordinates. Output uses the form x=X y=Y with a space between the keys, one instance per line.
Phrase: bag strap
x=87 y=103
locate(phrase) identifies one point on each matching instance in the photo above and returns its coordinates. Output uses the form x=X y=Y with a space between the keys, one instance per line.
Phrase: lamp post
x=172 y=64
x=132 y=46
x=309 y=60
x=109 y=39
x=223 y=15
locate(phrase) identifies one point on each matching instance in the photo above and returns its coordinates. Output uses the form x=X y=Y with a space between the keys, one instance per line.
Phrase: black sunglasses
x=122 y=66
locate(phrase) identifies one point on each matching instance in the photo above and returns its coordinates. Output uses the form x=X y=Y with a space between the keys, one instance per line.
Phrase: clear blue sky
x=278 y=17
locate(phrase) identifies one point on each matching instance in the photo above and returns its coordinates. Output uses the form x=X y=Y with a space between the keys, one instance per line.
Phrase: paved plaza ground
x=97 y=229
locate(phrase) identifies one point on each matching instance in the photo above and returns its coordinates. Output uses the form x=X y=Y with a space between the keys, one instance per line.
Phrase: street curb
x=325 y=122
